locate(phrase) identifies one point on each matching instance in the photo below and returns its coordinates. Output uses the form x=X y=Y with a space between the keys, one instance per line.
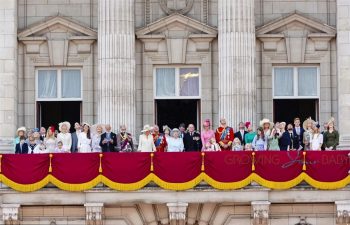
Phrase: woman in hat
x=97 y=131
x=146 y=143
x=64 y=134
x=331 y=136
x=175 y=143
x=84 y=140
x=273 y=140
x=206 y=134
x=50 y=140
x=308 y=131
x=285 y=139
x=166 y=131
x=21 y=132
x=316 y=139
x=267 y=126
x=249 y=137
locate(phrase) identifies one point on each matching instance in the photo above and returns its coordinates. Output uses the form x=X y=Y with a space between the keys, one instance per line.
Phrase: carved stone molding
x=176 y=6
x=260 y=210
x=343 y=212
x=177 y=211
x=10 y=213
x=94 y=213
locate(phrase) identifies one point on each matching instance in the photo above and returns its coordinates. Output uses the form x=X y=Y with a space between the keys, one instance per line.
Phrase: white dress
x=96 y=143
x=66 y=139
x=316 y=141
x=146 y=143
x=175 y=144
x=50 y=144
x=84 y=144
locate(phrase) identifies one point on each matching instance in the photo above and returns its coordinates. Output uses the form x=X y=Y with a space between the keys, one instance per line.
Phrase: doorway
x=175 y=112
x=52 y=113
x=287 y=109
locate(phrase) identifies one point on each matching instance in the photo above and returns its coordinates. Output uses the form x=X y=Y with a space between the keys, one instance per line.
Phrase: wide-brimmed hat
x=86 y=124
x=263 y=121
x=21 y=129
x=331 y=120
x=165 y=127
x=94 y=128
x=174 y=130
x=146 y=128
x=64 y=123
x=307 y=121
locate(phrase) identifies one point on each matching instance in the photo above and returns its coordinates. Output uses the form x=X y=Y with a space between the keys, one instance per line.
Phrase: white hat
x=263 y=121
x=64 y=123
x=308 y=120
x=21 y=129
x=146 y=128
x=86 y=124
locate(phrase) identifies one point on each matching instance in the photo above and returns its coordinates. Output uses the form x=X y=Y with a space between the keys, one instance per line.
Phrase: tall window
x=177 y=83
x=296 y=82
x=58 y=85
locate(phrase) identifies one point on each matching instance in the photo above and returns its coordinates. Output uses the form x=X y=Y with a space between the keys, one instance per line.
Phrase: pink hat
x=206 y=122
x=247 y=124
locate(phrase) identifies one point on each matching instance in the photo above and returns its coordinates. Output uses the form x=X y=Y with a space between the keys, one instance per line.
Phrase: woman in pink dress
x=206 y=134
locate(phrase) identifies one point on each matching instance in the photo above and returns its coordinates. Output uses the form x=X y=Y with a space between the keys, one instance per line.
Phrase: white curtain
x=47 y=84
x=283 y=82
x=71 y=84
x=189 y=82
x=307 y=81
x=165 y=82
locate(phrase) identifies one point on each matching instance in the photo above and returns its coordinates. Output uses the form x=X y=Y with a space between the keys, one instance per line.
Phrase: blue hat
x=35 y=129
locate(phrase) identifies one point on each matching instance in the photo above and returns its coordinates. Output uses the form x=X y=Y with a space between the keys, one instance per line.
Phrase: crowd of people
x=271 y=136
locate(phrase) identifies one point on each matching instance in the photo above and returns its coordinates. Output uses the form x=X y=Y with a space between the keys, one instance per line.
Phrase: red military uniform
x=224 y=136
x=160 y=142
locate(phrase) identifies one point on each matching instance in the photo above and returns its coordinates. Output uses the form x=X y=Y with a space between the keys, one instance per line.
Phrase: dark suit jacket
x=74 y=147
x=24 y=149
x=192 y=143
x=239 y=136
x=108 y=147
x=285 y=141
x=298 y=139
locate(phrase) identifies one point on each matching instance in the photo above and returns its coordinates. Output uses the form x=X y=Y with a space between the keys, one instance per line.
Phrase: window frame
x=296 y=83
x=59 y=97
x=177 y=84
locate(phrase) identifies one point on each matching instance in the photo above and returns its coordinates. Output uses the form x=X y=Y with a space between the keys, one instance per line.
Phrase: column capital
x=260 y=210
x=10 y=213
x=343 y=212
x=177 y=211
x=94 y=212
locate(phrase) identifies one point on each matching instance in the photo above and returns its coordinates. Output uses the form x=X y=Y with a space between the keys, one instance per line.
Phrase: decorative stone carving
x=176 y=6
x=343 y=212
x=177 y=211
x=10 y=213
x=94 y=213
x=260 y=210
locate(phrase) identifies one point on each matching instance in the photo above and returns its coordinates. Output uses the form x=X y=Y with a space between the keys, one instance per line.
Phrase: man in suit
x=42 y=133
x=108 y=140
x=22 y=146
x=75 y=135
x=192 y=140
x=240 y=134
x=298 y=134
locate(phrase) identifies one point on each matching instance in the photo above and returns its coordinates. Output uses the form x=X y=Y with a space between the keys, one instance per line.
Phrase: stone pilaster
x=116 y=63
x=260 y=211
x=8 y=74
x=237 y=88
x=343 y=212
x=343 y=61
x=94 y=213
x=10 y=213
x=177 y=213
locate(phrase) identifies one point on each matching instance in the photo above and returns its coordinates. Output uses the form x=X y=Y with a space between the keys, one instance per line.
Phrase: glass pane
x=71 y=84
x=283 y=82
x=307 y=81
x=189 y=82
x=47 y=84
x=165 y=82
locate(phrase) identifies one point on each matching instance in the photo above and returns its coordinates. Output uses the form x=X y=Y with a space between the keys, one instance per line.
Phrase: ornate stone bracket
x=180 y=6
x=260 y=210
x=10 y=213
x=177 y=211
x=343 y=212
x=94 y=212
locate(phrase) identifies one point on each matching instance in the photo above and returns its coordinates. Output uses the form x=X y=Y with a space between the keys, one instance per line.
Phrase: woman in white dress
x=175 y=143
x=64 y=135
x=50 y=140
x=316 y=139
x=308 y=125
x=146 y=141
x=84 y=140
x=96 y=138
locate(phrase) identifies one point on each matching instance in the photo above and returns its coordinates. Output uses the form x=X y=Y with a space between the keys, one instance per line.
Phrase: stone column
x=343 y=69
x=116 y=59
x=343 y=212
x=177 y=213
x=94 y=212
x=8 y=74
x=237 y=88
x=10 y=213
x=260 y=211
